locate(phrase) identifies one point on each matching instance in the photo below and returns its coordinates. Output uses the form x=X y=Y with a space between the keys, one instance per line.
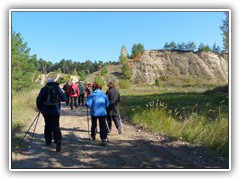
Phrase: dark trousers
x=67 y=101
x=116 y=121
x=73 y=100
x=102 y=124
x=52 y=129
x=81 y=99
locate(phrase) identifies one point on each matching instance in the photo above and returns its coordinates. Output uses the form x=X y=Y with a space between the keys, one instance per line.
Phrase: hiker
x=113 y=112
x=82 y=93
x=88 y=89
x=98 y=101
x=48 y=103
x=74 y=92
x=65 y=88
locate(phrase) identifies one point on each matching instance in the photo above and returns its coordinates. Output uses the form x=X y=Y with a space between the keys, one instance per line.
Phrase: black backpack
x=74 y=91
x=52 y=96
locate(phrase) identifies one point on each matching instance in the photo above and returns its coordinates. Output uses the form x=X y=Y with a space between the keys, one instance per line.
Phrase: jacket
x=98 y=102
x=114 y=100
x=70 y=90
x=42 y=96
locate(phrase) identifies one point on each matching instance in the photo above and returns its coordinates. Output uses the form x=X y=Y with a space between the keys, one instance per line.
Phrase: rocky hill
x=167 y=65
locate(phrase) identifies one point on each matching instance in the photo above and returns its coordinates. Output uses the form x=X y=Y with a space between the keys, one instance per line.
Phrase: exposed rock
x=165 y=64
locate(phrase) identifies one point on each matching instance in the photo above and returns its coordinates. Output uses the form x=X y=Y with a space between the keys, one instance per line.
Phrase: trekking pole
x=33 y=132
x=30 y=127
x=88 y=125
x=120 y=119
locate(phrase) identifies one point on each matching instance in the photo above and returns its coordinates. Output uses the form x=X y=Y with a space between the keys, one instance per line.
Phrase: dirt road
x=136 y=148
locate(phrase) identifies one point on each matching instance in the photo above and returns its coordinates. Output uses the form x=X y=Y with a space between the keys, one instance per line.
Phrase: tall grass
x=196 y=117
x=23 y=111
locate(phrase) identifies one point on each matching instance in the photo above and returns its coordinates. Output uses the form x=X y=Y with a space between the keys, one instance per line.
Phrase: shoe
x=58 y=147
x=93 y=137
x=104 y=142
x=120 y=130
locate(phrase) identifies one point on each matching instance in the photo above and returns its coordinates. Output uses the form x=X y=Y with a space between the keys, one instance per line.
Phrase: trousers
x=52 y=129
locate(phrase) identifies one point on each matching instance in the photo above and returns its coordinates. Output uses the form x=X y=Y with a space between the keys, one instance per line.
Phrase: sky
x=99 y=35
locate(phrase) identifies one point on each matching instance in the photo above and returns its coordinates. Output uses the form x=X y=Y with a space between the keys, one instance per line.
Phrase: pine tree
x=23 y=65
x=225 y=32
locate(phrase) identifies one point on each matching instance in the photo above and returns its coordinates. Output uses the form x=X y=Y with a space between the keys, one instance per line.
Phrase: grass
x=196 y=117
x=23 y=111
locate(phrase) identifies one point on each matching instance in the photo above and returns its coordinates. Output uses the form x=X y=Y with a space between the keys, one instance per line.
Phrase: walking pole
x=121 y=122
x=33 y=133
x=30 y=127
x=88 y=125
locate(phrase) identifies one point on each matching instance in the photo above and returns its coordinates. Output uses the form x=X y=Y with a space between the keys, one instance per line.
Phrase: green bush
x=124 y=84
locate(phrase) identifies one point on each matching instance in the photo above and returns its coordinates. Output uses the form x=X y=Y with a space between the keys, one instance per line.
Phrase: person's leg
x=75 y=102
x=71 y=103
x=82 y=99
x=94 y=127
x=117 y=124
x=103 y=127
x=47 y=130
x=109 y=123
x=57 y=135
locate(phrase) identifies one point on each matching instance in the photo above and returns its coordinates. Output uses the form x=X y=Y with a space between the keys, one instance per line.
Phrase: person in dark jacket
x=113 y=112
x=51 y=113
x=65 y=88
x=82 y=93
x=98 y=101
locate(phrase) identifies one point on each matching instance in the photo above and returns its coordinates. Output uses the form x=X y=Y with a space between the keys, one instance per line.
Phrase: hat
x=73 y=81
x=50 y=80
x=89 y=84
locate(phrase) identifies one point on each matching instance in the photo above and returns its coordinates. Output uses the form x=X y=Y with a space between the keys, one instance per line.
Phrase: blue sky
x=80 y=36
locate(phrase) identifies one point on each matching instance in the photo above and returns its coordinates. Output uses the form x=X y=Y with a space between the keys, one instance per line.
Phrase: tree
x=123 y=54
x=204 y=48
x=216 y=49
x=23 y=65
x=137 y=50
x=225 y=31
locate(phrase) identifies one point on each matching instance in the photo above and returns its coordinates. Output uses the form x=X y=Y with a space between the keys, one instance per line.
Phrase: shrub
x=124 y=84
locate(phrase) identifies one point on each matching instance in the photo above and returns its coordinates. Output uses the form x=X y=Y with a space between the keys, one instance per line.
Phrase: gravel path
x=135 y=149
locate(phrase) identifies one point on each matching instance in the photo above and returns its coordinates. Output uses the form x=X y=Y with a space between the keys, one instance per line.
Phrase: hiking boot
x=119 y=130
x=93 y=137
x=58 y=146
x=104 y=142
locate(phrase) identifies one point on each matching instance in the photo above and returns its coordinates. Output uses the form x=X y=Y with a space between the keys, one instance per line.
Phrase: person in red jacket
x=73 y=92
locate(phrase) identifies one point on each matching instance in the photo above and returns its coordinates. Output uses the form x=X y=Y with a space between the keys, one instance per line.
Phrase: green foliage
x=104 y=70
x=204 y=48
x=99 y=80
x=225 y=31
x=124 y=84
x=23 y=65
x=127 y=73
x=82 y=75
x=75 y=73
x=137 y=49
x=158 y=83
x=123 y=54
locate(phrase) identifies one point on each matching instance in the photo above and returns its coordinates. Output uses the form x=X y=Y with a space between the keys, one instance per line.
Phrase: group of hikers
x=104 y=107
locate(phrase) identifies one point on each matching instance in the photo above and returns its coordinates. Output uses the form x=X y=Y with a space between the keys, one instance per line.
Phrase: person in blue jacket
x=98 y=102
x=51 y=112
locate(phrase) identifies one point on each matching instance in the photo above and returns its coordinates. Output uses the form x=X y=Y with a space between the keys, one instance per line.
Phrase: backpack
x=89 y=90
x=81 y=88
x=52 y=96
x=74 y=91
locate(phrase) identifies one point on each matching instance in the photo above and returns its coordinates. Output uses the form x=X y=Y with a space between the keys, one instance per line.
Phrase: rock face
x=165 y=64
